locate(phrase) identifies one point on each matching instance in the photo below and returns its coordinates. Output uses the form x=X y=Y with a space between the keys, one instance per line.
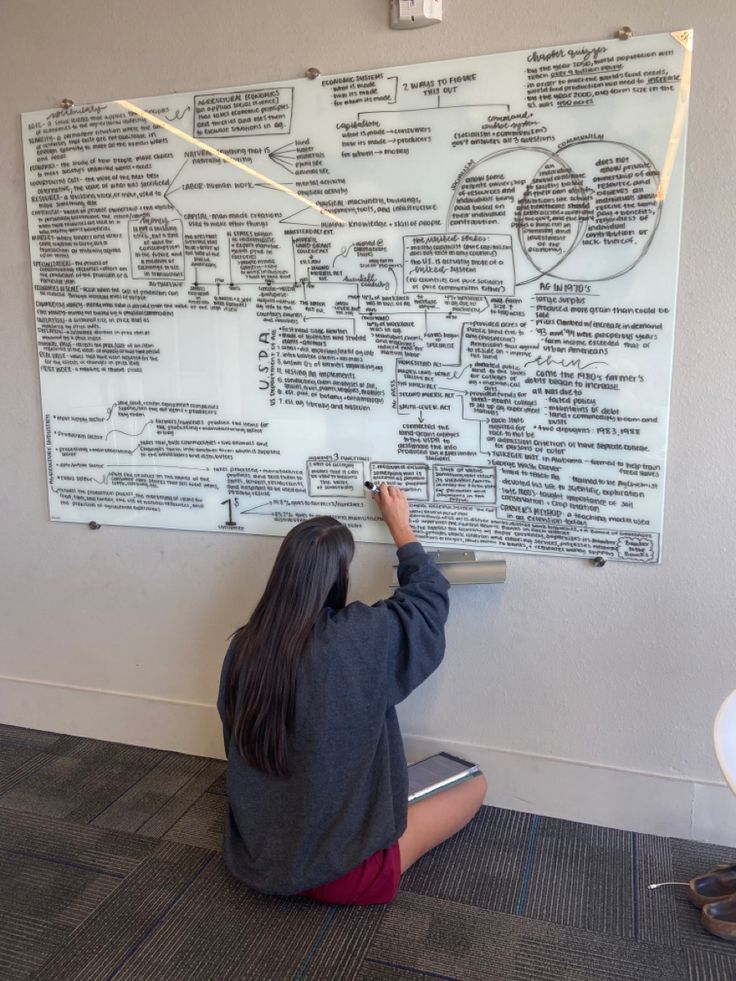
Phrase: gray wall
x=586 y=693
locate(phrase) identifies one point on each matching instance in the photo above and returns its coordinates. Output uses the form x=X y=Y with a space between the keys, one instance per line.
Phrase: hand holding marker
x=394 y=507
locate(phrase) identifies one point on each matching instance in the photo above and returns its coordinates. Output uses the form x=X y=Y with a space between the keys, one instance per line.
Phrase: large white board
x=458 y=276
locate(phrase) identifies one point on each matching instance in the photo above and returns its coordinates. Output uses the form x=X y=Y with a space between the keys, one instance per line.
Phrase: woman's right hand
x=394 y=506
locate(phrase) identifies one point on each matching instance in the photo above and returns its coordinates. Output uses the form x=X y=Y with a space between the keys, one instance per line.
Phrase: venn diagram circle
x=586 y=212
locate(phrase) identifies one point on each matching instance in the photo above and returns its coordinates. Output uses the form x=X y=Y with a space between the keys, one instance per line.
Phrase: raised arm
x=394 y=506
x=419 y=607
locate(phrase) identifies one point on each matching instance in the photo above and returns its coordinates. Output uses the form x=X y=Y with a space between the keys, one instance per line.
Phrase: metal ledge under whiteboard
x=461 y=568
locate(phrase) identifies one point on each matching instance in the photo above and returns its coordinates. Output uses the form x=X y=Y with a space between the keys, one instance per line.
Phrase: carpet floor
x=110 y=867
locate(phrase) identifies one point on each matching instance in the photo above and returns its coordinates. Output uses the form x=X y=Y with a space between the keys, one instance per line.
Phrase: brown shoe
x=720 y=918
x=714 y=886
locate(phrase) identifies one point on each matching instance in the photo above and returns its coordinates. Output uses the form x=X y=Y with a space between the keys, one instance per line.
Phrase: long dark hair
x=309 y=574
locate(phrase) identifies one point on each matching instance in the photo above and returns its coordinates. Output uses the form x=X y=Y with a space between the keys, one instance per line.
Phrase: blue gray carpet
x=110 y=868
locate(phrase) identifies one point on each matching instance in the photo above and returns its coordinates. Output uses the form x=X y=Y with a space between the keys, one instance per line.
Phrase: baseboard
x=117 y=716
x=650 y=803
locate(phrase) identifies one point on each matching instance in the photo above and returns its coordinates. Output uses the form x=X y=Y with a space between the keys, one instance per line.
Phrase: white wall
x=587 y=693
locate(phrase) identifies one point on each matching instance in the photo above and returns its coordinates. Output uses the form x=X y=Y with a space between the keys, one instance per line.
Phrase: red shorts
x=375 y=880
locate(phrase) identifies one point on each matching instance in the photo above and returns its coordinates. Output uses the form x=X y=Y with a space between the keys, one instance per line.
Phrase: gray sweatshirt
x=346 y=794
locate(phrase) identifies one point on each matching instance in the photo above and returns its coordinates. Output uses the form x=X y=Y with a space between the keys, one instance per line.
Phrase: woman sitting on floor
x=316 y=776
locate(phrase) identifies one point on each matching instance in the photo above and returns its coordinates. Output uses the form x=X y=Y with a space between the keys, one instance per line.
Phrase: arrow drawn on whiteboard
x=307 y=218
x=285 y=156
x=343 y=253
x=255 y=508
x=123 y=432
x=171 y=189
x=179 y=114
x=119 y=449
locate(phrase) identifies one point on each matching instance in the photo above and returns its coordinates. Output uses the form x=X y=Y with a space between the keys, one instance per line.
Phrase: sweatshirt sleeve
x=416 y=624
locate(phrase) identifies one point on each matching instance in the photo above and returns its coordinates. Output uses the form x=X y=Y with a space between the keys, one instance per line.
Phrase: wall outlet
x=406 y=14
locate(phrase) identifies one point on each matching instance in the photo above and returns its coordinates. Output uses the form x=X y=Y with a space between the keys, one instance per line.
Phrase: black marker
x=374 y=488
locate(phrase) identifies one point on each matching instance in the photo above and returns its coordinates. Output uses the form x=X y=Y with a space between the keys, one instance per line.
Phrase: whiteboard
x=459 y=277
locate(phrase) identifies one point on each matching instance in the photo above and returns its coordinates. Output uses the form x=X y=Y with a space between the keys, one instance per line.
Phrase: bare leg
x=437 y=818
